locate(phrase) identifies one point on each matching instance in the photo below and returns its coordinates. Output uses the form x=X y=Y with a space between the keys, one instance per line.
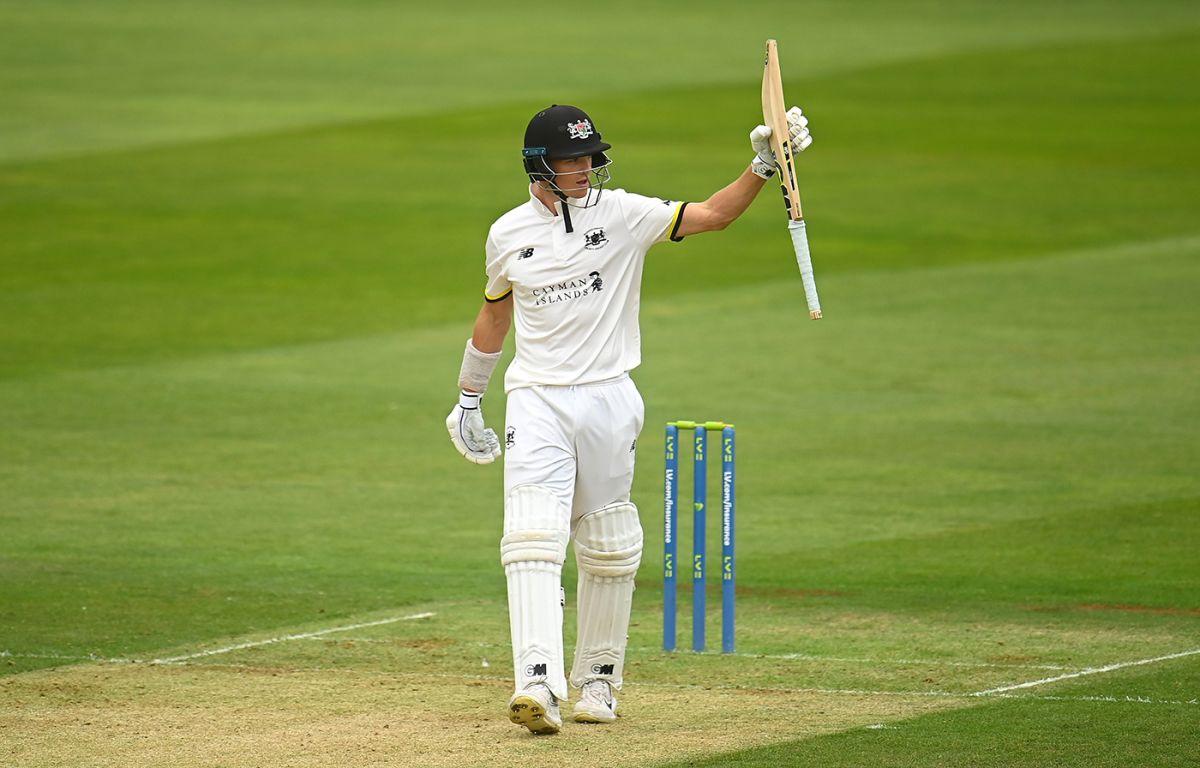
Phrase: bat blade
x=775 y=116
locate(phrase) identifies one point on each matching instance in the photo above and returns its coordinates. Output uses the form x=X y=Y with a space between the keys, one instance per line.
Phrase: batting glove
x=799 y=138
x=474 y=441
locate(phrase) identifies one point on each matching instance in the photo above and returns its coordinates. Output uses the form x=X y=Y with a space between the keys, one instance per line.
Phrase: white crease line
x=637 y=684
x=824 y=691
x=1116 y=699
x=1084 y=672
x=921 y=662
x=368 y=640
x=285 y=638
x=734 y=688
x=842 y=660
x=63 y=657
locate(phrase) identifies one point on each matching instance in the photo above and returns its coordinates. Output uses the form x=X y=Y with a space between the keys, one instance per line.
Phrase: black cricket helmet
x=561 y=132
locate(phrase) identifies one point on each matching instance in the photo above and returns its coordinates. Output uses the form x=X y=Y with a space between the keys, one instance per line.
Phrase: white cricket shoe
x=596 y=704
x=536 y=709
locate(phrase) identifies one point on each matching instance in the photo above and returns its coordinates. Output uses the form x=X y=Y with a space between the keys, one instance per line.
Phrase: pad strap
x=608 y=541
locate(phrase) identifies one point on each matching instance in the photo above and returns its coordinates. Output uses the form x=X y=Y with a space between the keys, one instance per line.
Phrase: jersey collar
x=540 y=208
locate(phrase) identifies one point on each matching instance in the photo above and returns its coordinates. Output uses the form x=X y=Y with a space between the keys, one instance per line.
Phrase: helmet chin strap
x=565 y=207
x=566 y=214
x=549 y=184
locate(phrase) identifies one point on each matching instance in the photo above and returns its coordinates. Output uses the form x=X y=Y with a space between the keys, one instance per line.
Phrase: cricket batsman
x=567 y=265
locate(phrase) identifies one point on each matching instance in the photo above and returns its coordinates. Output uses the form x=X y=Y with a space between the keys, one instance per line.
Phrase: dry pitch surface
x=205 y=716
x=401 y=690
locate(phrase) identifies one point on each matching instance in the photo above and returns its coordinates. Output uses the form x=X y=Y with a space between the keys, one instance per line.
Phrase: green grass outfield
x=240 y=248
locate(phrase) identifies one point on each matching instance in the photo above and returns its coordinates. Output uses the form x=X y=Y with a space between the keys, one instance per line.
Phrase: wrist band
x=476 y=368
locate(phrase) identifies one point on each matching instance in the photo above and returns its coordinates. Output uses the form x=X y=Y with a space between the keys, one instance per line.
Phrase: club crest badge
x=594 y=239
x=580 y=129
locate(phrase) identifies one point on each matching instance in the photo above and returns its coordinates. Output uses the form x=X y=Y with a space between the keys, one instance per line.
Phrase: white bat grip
x=800 y=242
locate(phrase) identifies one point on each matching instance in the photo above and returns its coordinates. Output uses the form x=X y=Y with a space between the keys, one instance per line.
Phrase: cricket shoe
x=536 y=709
x=596 y=704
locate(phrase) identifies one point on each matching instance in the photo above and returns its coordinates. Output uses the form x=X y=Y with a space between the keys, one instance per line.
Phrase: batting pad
x=534 y=547
x=608 y=550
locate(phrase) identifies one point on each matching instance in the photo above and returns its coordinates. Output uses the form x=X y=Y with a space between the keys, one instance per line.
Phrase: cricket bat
x=775 y=116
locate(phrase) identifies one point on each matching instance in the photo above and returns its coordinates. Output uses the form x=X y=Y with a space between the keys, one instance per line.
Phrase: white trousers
x=578 y=443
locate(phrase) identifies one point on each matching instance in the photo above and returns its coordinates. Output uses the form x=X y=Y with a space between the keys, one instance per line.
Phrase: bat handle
x=800 y=241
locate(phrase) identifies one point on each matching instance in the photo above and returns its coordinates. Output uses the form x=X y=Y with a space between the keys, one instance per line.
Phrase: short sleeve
x=650 y=219
x=498 y=288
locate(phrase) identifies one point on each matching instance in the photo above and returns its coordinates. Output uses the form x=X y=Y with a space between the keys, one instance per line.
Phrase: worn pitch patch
x=185 y=716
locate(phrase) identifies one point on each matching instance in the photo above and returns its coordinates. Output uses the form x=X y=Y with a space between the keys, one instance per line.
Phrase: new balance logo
x=525 y=253
x=535 y=670
x=603 y=669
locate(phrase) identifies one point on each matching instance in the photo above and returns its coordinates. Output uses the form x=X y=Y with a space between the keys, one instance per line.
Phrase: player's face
x=573 y=175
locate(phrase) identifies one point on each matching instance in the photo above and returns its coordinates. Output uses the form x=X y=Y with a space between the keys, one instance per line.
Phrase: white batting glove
x=474 y=441
x=799 y=138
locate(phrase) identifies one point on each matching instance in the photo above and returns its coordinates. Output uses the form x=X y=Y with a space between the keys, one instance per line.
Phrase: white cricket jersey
x=576 y=294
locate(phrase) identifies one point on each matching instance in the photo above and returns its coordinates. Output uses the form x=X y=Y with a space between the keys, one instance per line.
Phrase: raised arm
x=723 y=207
x=727 y=204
